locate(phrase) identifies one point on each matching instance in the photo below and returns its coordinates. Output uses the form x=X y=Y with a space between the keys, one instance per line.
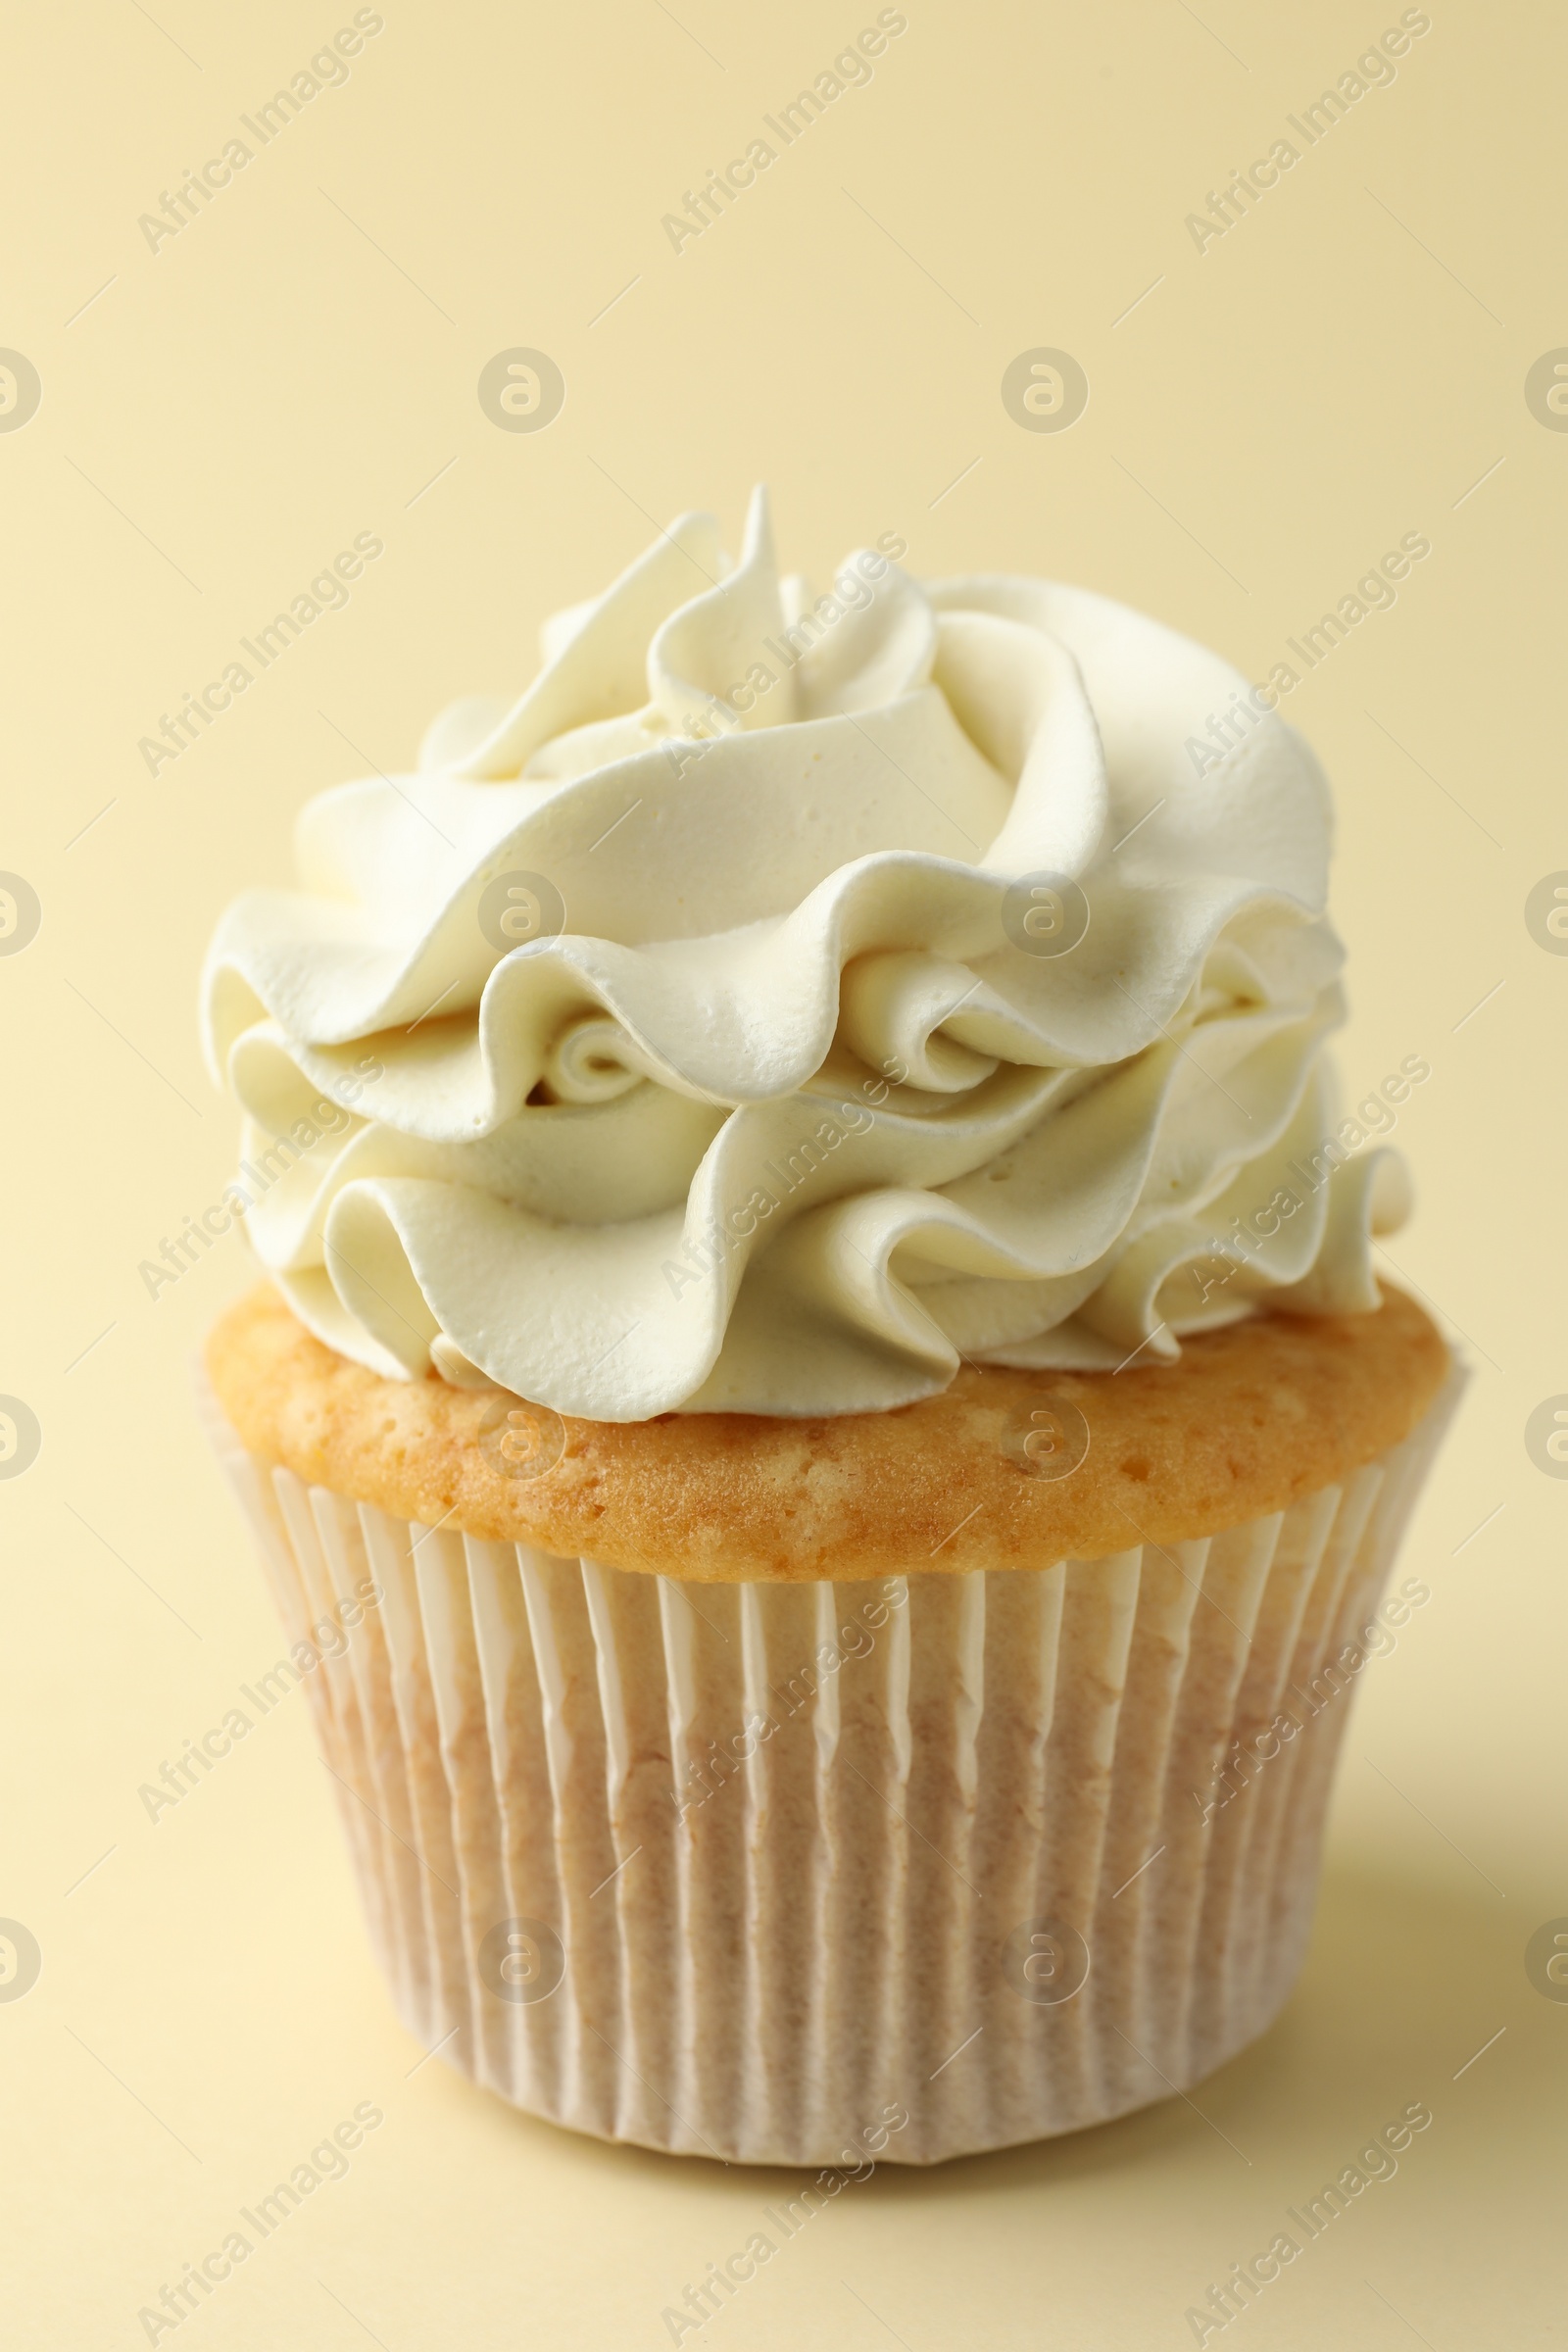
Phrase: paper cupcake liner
x=788 y=1873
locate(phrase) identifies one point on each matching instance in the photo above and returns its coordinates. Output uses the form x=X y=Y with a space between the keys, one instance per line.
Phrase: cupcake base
x=801 y=1873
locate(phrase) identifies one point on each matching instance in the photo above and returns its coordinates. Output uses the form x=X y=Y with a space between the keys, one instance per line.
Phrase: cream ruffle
x=776 y=1113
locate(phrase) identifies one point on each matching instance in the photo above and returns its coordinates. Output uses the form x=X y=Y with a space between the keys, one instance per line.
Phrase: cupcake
x=820 y=1417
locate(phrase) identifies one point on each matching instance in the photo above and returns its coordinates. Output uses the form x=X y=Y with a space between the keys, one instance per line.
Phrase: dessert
x=815 y=1262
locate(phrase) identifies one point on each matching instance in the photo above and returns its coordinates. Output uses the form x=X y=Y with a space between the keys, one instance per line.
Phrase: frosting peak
x=789 y=995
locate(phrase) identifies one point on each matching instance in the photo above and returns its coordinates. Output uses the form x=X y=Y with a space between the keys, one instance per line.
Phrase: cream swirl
x=888 y=990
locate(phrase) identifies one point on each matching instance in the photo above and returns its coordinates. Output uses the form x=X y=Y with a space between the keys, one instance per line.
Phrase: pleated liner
x=886 y=1904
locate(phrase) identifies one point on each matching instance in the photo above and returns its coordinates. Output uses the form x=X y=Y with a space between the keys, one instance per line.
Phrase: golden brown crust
x=1248 y=1421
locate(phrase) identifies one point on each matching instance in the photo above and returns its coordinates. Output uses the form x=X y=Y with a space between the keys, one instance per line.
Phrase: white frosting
x=780 y=1106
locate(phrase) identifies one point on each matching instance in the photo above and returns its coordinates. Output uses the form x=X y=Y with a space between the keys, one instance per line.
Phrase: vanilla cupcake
x=817 y=1270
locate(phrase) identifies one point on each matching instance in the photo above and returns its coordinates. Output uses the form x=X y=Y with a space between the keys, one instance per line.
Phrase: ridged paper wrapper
x=745 y=1870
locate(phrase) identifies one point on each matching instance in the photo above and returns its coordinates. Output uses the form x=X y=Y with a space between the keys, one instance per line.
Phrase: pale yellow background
x=295 y=368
